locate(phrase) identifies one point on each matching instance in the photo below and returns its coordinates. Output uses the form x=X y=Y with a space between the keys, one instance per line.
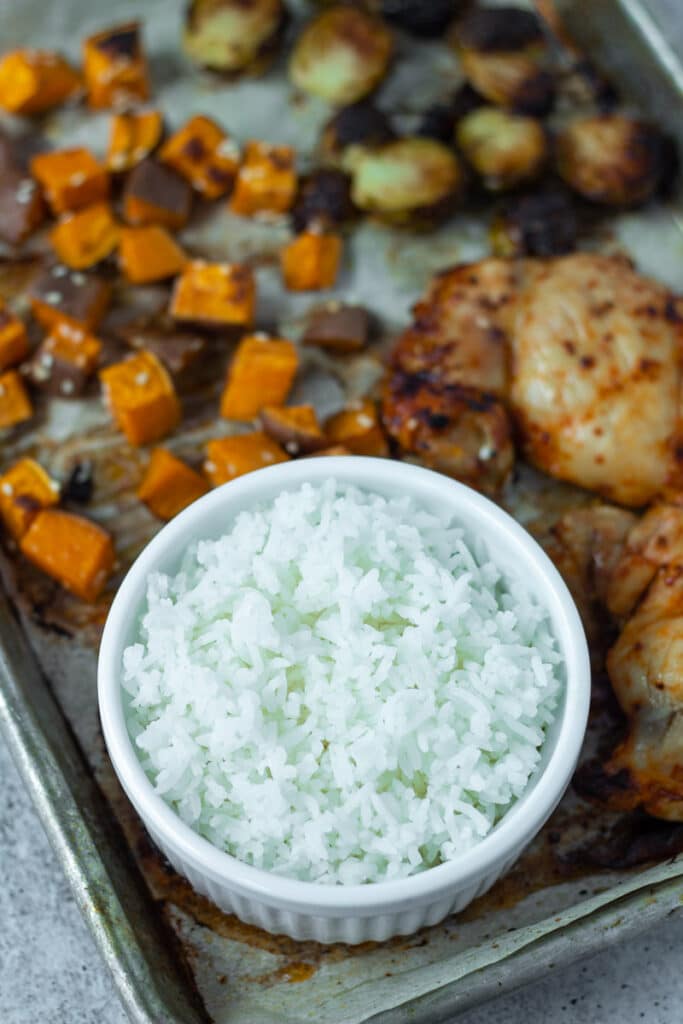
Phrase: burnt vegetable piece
x=503 y=51
x=439 y=121
x=410 y=180
x=358 y=124
x=233 y=36
x=503 y=148
x=115 y=67
x=612 y=158
x=22 y=208
x=543 y=223
x=62 y=295
x=427 y=19
x=324 y=198
x=342 y=55
x=80 y=483
x=295 y=427
x=181 y=352
x=156 y=194
x=338 y=327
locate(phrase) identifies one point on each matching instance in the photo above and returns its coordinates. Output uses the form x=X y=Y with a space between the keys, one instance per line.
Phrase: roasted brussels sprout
x=410 y=180
x=426 y=18
x=342 y=55
x=612 y=158
x=234 y=36
x=359 y=124
x=504 y=149
x=324 y=199
x=542 y=223
x=439 y=122
x=502 y=51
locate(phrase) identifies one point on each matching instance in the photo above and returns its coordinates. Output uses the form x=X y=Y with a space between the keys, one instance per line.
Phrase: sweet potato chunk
x=204 y=155
x=115 y=67
x=15 y=405
x=60 y=295
x=33 y=81
x=13 y=339
x=229 y=457
x=22 y=207
x=86 y=237
x=132 y=137
x=71 y=178
x=311 y=261
x=141 y=397
x=24 y=489
x=169 y=485
x=357 y=428
x=65 y=361
x=295 y=427
x=335 y=449
x=74 y=551
x=266 y=181
x=338 y=327
x=181 y=352
x=155 y=194
x=214 y=295
x=261 y=374
x=149 y=254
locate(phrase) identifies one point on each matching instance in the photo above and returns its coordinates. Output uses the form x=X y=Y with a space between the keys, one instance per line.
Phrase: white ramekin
x=353 y=913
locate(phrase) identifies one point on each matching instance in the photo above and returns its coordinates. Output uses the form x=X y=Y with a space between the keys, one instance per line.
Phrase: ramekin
x=352 y=913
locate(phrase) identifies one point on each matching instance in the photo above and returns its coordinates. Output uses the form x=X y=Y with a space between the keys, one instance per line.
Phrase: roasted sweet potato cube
x=71 y=178
x=156 y=194
x=65 y=361
x=169 y=485
x=204 y=155
x=295 y=427
x=22 y=207
x=33 y=81
x=357 y=428
x=261 y=374
x=229 y=457
x=60 y=295
x=141 y=398
x=181 y=352
x=15 y=405
x=13 y=339
x=266 y=182
x=73 y=550
x=335 y=449
x=338 y=327
x=132 y=137
x=115 y=67
x=311 y=261
x=86 y=237
x=24 y=489
x=149 y=254
x=214 y=295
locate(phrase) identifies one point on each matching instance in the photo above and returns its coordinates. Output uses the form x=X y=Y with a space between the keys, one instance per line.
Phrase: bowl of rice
x=343 y=695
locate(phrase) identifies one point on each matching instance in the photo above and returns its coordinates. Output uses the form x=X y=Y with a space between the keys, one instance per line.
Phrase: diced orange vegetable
x=15 y=405
x=84 y=238
x=335 y=449
x=295 y=427
x=261 y=374
x=13 y=339
x=71 y=178
x=266 y=181
x=311 y=261
x=214 y=295
x=22 y=207
x=149 y=254
x=229 y=457
x=59 y=295
x=115 y=67
x=156 y=194
x=65 y=361
x=204 y=154
x=24 y=489
x=357 y=428
x=169 y=485
x=132 y=137
x=141 y=397
x=32 y=81
x=73 y=550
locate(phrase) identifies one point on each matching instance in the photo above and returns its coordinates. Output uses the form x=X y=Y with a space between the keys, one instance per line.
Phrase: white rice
x=342 y=688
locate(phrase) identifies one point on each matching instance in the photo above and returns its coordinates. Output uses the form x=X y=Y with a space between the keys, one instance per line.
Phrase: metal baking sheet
x=175 y=957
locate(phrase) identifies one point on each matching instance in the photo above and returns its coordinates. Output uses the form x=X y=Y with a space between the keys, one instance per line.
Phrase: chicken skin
x=582 y=355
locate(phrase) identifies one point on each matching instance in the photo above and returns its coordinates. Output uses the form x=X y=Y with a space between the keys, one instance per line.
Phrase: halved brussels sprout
x=504 y=149
x=412 y=180
x=426 y=18
x=503 y=52
x=612 y=158
x=439 y=121
x=542 y=223
x=342 y=55
x=324 y=199
x=359 y=124
x=232 y=36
